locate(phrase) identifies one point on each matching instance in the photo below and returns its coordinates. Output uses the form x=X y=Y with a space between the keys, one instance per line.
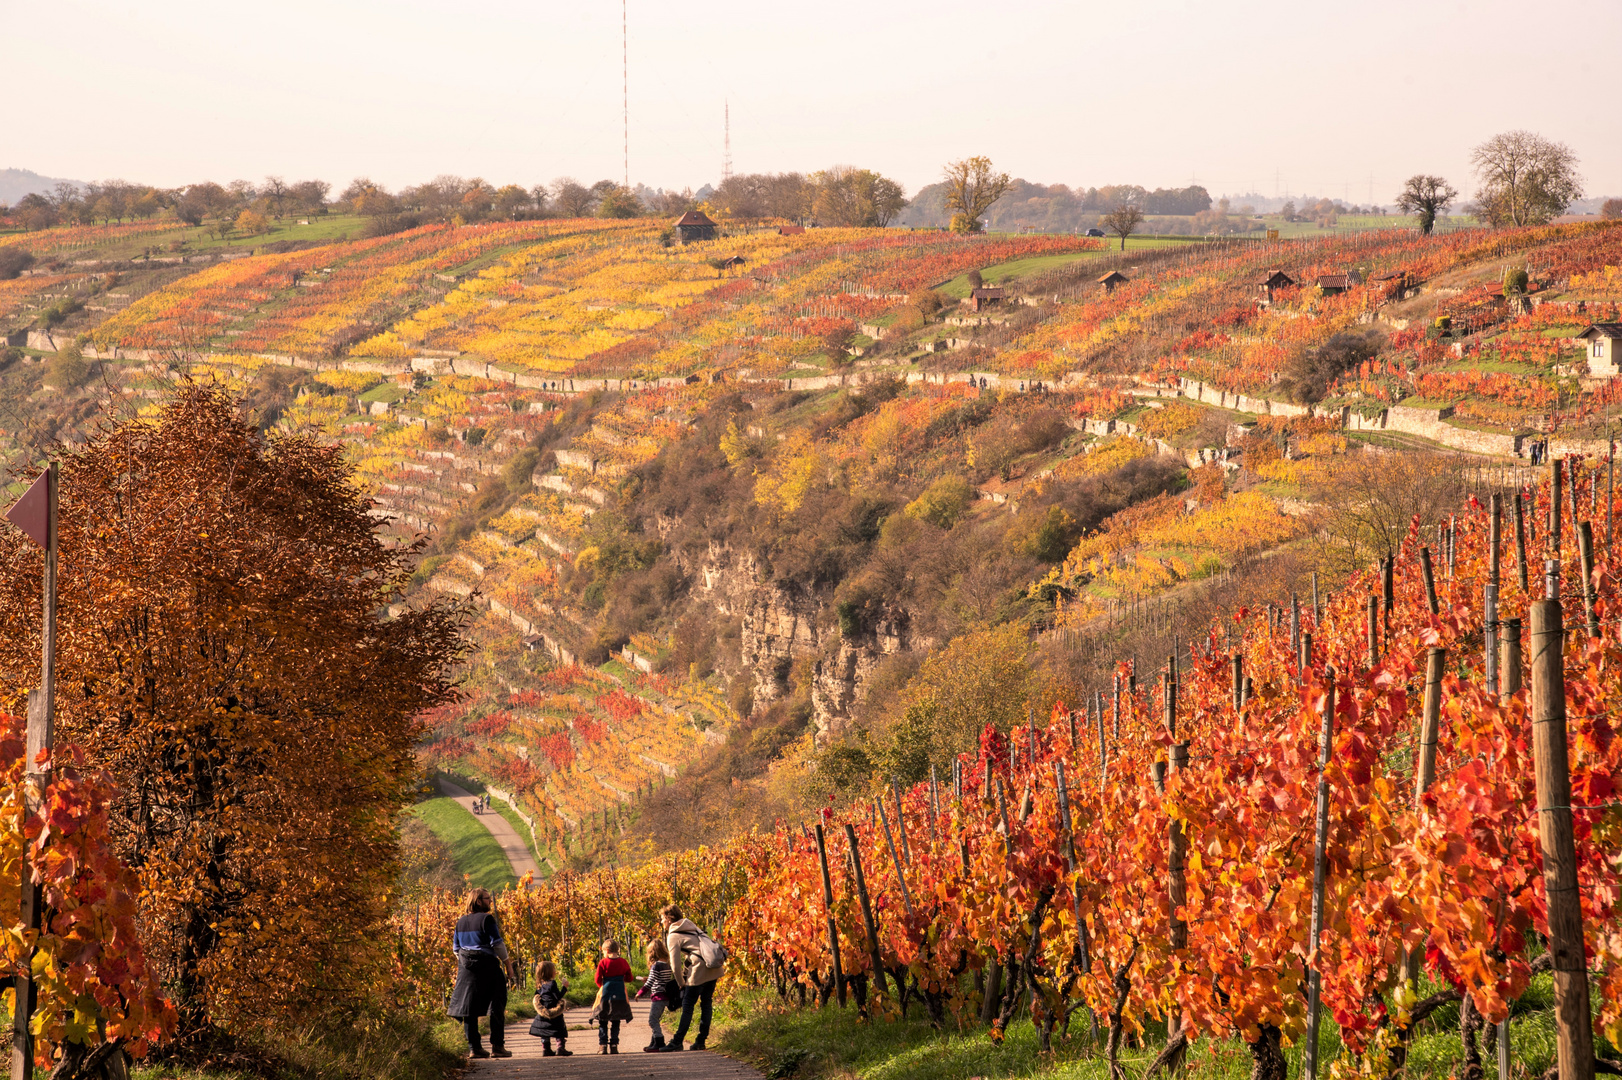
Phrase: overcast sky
x=1246 y=95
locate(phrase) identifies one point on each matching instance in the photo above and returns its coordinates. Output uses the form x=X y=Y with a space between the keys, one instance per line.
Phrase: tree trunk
x=1267 y=1056
x=1470 y=1022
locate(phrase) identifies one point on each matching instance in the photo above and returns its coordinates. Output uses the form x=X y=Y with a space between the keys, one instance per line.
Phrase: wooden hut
x=694 y=225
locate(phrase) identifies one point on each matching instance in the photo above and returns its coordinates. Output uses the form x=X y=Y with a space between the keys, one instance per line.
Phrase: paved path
x=512 y=845
x=629 y=1064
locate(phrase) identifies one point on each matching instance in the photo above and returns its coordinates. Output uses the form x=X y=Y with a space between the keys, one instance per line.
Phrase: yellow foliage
x=354 y=382
x=798 y=469
x=1105 y=457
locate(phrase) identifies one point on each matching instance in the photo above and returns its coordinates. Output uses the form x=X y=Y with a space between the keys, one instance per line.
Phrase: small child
x=612 y=1004
x=660 y=986
x=549 y=1023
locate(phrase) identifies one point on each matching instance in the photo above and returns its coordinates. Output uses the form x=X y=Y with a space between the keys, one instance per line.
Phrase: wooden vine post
x=1520 y=544
x=1085 y=956
x=1574 y=1023
x=1509 y=650
x=1585 y=548
x=1428 y=573
x=1388 y=589
x=1374 y=630
x=900 y=818
x=828 y=906
x=889 y=842
x=1177 y=846
x=867 y=910
x=1238 y=682
x=1326 y=741
x=1490 y=595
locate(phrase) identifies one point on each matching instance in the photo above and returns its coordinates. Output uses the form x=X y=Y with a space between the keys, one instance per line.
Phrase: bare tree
x=1426 y=196
x=276 y=193
x=1525 y=178
x=1612 y=210
x=1372 y=499
x=572 y=198
x=971 y=189
x=1123 y=221
x=856 y=197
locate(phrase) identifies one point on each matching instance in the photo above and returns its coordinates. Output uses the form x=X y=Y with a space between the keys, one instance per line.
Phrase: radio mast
x=726 y=161
x=625 y=85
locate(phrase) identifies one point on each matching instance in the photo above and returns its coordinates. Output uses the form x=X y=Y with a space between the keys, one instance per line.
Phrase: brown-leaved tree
x=224 y=653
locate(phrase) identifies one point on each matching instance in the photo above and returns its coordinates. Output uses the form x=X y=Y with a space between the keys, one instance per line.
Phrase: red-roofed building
x=694 y=225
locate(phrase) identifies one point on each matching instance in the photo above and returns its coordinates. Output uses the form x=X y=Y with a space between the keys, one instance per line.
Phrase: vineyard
x=1298 y=812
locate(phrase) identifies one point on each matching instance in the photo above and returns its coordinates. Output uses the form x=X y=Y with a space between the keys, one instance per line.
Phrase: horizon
x=339 y=113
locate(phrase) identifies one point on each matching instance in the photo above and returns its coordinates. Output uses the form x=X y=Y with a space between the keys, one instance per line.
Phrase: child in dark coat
x=549 y=1023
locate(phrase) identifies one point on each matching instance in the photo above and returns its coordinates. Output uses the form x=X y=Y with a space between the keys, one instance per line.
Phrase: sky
x=1343 y=100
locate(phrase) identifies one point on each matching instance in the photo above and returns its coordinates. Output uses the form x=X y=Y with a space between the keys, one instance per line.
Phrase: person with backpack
x=697 y=961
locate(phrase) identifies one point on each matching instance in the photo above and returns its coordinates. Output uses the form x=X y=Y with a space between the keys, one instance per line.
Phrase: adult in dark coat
x=481 y=976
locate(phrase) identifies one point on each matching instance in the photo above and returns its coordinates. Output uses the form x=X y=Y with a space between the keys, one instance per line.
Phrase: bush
x=67 y=369
x=942 y=502
x=519 y=472
x=1515 y=280
x=474 y=436
x=1311 y=372
x=13 y=261
x=388 y=224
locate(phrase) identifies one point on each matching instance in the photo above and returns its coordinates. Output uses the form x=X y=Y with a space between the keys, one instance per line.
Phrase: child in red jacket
x=612 y=1004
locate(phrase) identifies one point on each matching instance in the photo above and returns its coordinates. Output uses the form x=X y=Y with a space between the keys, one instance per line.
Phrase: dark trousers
x=608 y=1032
x=690 y=996
x=498 y=1033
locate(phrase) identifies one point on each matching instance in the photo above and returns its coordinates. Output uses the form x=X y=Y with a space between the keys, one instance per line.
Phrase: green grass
x=389 y=392
x=774 y=1034
x=476 y=852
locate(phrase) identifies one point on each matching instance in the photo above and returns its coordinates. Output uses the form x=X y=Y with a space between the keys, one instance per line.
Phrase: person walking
x=660 y=988
x=612 y=1004
x=549 y=1003
x=697 y=961
x=481 y=975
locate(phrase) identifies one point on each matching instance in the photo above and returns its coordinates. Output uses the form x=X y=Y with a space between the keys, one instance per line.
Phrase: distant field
x=476 y=852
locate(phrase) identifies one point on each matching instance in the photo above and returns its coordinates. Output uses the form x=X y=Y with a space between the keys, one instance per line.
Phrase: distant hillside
x=16 y=183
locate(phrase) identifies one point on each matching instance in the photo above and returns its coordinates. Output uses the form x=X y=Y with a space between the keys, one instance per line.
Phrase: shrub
x=67 y=369
x=942 y=502
x=474 y=436
x=1515 y=280
x=13 y=261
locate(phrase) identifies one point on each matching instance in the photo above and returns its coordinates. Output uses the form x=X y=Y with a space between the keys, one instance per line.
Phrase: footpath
x=528 y=1064
x=512 y=845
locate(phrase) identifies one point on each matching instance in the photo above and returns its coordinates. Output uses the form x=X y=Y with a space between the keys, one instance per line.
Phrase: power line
x=625 y=85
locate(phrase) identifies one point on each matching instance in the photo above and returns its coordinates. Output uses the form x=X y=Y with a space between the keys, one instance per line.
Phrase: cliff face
x=783 y=624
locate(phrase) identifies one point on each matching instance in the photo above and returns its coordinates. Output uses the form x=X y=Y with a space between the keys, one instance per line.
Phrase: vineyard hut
x=1274 y=281
x=791 y=230
x=986 y=295
x=1335 y=284
x=694 y=225
x=1112 y=279
x=1603 y=340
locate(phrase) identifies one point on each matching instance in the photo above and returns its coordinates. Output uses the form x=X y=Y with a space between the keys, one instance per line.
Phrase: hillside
x=720 y=503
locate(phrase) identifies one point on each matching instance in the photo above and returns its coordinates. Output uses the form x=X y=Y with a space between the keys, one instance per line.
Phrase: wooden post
x=1573 y=1022
x=1520 y=543
x=1002 y=810
x=1388 y=589
x=900 y=819
x=1303 y=659
x=1103 y=755
x=1169 y=697
x=1177 y=862
x=1238 y=682
x=1070 y=858
x=1553 y=545
x=1326 y=741
x=1430 y=722
x=1374 y=630
x=39 y=737
x=1509 y=650
x=1489 y=595
x=1115 y=707
x=1315 y=608
x=867 y=910
x=1585 y=548
x=1428 y=573
x=1295 y=623
x=889 y=842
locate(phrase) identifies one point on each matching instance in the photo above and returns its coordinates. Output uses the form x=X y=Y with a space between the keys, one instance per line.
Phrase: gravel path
x=512 y=845
x=630 y=1063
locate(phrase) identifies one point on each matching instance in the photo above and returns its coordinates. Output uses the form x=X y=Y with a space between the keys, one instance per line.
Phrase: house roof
x=1113 y=275
x=1278 y=277
x=1339 y=281
x=1391 y=276
x=1602 y=329
x=734 y=260
x=694 y=217
x=989 y=292
x=791 y=230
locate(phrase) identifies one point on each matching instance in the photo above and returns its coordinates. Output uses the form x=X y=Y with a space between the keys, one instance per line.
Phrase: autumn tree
x=1427 y=196
x=855 y=197
x=619 y=202
x=224 y=655
x=971 y=189
x=1123 y=221
x=1525 y=178
x=572 y=198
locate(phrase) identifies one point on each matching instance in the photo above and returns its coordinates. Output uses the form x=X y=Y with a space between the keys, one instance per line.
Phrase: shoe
x=547 y=1051
x=565 y=1053
x=602 y=1050
x=670 y=1048
x=479 y=1053
x=613 y=1049
x=698 y=1045
x=653 y=1048
x=501 y=1053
